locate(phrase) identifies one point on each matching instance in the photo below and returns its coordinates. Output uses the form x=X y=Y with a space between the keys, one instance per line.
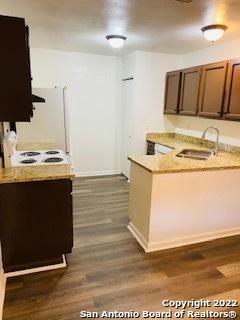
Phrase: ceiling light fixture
x=214 y=32
x=116 y=41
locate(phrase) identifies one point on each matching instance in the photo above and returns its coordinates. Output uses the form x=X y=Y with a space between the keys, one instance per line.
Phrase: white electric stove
x=39 y=157
x=15 y=158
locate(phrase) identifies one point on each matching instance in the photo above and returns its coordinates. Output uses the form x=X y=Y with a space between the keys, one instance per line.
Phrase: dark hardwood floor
x=108 y=270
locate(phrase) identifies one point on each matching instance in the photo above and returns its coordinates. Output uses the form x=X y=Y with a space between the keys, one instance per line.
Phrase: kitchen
x=111 y=105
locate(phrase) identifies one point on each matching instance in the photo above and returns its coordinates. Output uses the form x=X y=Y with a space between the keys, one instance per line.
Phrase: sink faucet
x=216 y=146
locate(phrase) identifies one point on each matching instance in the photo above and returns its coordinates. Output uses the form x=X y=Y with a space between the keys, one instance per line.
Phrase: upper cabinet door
x=212 y=89
x=190 y=86
x=15 y=81
x=232 y=99
x=172 y=92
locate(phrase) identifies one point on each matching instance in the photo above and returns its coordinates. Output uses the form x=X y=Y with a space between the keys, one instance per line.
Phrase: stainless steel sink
x=194 y=154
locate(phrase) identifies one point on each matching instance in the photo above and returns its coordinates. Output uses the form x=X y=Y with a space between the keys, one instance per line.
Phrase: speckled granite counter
x=228 y=157
x=35 y=173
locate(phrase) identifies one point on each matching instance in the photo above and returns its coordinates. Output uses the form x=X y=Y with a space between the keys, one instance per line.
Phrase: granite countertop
x=228 y=156
x=36 y=173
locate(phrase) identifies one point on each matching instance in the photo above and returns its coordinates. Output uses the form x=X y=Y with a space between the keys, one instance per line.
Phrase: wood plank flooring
x=108 y=270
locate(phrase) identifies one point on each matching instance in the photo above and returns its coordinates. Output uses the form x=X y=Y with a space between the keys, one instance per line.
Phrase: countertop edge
x=36 y=173
x=166 y=171
x=35 y=179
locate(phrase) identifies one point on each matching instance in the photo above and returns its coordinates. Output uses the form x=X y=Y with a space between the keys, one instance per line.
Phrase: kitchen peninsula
x=176 y=201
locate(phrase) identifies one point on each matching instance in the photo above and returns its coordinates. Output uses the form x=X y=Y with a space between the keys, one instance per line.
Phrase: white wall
x=229 y=130
x=48 y=125
x=94 y=99
x=216 y=52
x=149 y=70
x=129 y=65
x=145 y=97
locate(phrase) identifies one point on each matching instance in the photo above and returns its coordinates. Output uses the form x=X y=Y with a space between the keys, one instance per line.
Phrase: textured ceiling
x=152 y=25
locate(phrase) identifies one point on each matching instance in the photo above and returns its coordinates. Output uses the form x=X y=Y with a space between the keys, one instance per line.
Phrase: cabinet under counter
x=36 y=223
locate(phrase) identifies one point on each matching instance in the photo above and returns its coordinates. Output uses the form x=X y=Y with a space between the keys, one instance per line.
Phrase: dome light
x=116 y=41
x=214 y=32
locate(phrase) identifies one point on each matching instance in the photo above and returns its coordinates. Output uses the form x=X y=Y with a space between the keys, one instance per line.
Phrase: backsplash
x=202 y=142
x=194 y=126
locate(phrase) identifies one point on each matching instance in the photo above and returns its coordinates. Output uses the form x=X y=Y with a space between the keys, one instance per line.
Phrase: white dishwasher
x=159 y=149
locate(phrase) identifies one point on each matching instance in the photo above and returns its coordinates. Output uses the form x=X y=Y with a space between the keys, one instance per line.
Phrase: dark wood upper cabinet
x=190 y=86
x=15 y=83
x=212 y=90
x=232 y=98
x=172 y=92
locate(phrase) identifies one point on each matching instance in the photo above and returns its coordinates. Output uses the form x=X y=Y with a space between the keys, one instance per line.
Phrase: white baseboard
x=138 y=236
x=96 y=173
x=40 y=269
x=2 y=292
x=180 y=242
